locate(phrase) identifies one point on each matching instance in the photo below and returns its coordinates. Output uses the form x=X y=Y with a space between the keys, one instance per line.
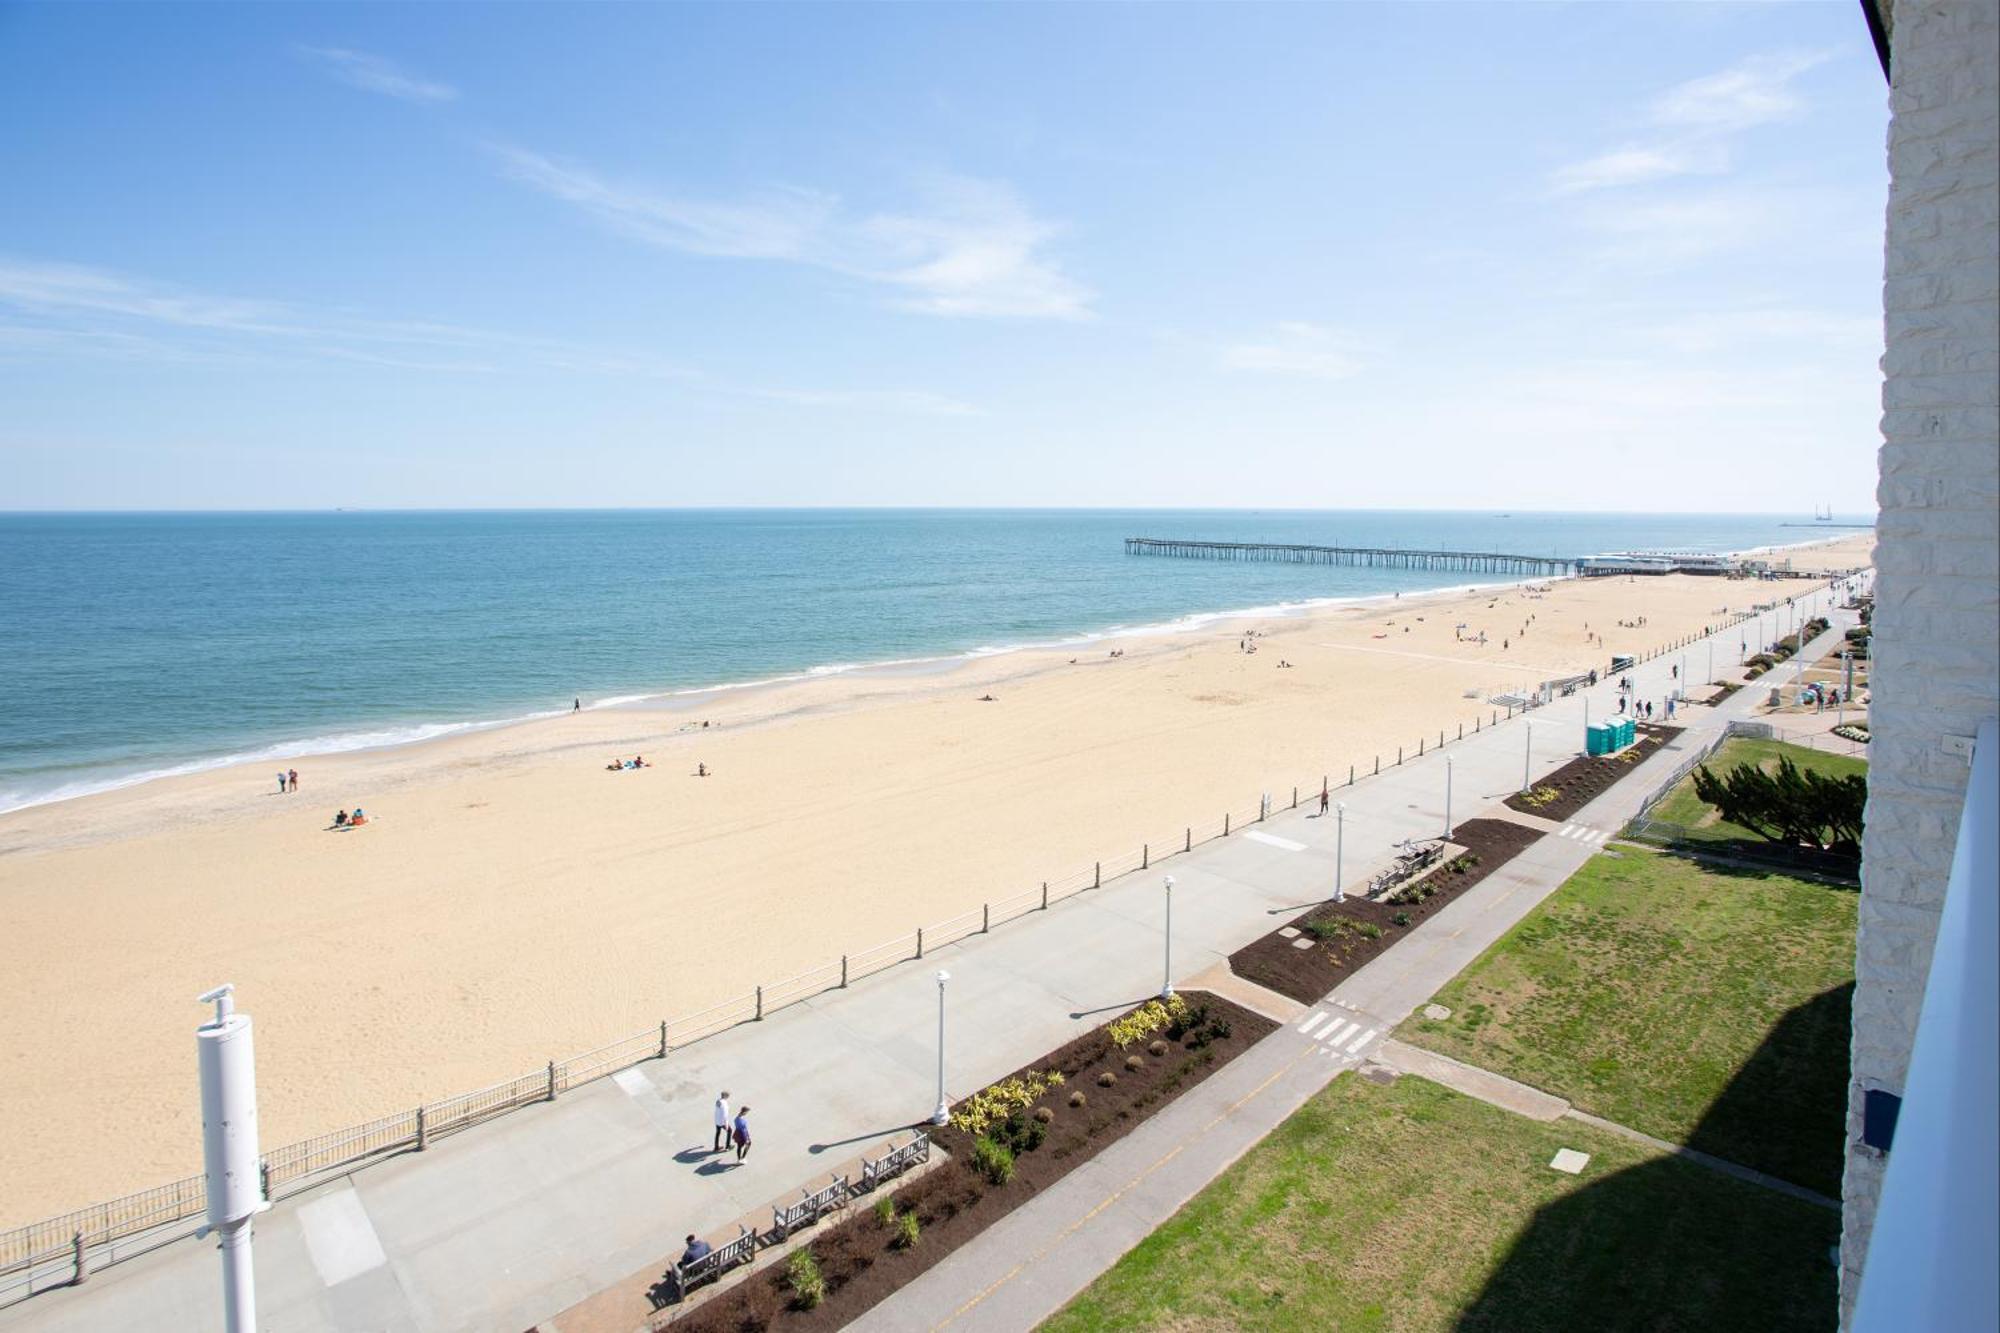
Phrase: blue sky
x=1548 y=256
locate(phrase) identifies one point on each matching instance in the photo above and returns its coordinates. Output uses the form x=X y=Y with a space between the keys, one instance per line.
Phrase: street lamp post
x=941 y=1116
x=234 y=1184
x=1527 y=755
x=1167 y=972
x=1339 y=848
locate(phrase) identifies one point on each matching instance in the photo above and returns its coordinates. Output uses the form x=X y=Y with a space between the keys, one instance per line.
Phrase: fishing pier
x=1375 y=557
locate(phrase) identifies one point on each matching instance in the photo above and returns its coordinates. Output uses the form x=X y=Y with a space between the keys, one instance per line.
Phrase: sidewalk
x=1030 y=1264
x=505 y=1224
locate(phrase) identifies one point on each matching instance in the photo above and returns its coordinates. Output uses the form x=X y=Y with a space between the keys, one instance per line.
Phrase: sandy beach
x=511 y=901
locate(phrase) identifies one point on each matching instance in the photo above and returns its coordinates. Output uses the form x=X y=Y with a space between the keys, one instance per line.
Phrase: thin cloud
x=973 y=250
x=374 y=74
x=902 y=402
x=1754 y=92
x=1307 y=350
x=1694 y=124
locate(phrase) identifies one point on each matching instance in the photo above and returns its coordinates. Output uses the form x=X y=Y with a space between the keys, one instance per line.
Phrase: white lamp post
x=1528 y=756
x=229 y=1150
x=1339 y=848
x=1167 y=963
x=941 y=1116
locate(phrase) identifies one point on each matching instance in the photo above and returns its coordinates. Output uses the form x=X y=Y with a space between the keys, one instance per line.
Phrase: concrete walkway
x=1037 y=1258
x=506 y=1224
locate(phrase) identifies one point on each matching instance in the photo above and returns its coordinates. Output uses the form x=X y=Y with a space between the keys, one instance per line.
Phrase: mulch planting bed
x=1584 y=779
x=862 y=1260
x=1721 y=696
x=1348 y=934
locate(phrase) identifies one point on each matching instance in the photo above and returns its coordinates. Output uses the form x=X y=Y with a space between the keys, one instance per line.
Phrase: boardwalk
x=1381 y=557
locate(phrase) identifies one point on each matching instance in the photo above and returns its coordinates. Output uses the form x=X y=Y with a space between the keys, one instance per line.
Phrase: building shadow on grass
x=1672 y=1245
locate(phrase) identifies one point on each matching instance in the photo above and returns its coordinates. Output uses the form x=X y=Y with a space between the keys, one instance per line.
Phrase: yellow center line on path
x=1124 y=1189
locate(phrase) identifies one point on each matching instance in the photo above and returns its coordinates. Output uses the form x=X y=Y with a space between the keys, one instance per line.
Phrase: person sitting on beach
x=987 y=699
x=613 y=766
x=340 y=820
x=701 y=770
x=638 y=761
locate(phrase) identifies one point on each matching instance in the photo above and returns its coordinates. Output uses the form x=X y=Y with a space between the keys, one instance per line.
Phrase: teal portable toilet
x=1628 y=731
x=1598 y=738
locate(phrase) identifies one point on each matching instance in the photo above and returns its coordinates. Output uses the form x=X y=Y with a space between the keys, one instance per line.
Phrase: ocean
x=137 y=645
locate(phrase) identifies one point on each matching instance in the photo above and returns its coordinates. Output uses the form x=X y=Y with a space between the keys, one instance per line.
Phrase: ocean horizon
x=145 y=644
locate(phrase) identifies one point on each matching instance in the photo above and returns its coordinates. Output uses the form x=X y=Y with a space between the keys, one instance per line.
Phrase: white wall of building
x=1937 y=617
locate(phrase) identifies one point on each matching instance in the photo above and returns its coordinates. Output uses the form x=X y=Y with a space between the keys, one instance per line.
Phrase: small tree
x=1789 y=806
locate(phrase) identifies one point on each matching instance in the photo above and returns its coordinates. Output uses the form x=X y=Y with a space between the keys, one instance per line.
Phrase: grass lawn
x=1703 y=1006
x=1683 y=807
x=1411 y=1207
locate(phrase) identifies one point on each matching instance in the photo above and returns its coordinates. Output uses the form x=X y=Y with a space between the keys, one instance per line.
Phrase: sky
x=1546 y=256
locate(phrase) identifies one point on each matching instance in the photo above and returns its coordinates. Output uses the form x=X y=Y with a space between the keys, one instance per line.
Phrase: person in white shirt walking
x=722 y=1124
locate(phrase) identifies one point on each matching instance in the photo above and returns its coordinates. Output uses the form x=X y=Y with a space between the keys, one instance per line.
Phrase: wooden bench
x=893 y=1163
x=685 y=1277
x=812 y=1205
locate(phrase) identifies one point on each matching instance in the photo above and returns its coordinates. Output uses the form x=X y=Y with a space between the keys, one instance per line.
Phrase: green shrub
x=1328 y=927
x=991 y=1159
x=1401 y=918
x=1369 y=930
x=885 y=1211
x=907 y=1231
x=802 y=1275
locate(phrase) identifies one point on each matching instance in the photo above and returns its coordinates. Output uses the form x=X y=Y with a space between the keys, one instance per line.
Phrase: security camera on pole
x=232 y=1172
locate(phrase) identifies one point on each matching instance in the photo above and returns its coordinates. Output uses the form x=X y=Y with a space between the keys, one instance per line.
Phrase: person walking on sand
x=577 y=707
x=281 y=782
x=742 y=1133
x=294 y=776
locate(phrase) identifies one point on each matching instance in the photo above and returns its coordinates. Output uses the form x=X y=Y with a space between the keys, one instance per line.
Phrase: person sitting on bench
x=697 y=1249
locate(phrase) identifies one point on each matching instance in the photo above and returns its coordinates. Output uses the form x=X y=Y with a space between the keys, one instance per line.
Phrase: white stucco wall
x=1937 y=617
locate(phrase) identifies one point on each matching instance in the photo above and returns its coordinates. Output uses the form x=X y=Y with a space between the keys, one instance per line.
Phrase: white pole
x=941 y=1116
x=1339 y=848
x=1528 y=756
x=233 y=1179
x=1167 y=976
x=1711 y=663
x=1447 y=793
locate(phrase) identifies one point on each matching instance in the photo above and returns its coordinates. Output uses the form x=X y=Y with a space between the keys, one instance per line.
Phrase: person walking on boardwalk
x=1324 y=797
x=721 y=1121
x=742 y=1133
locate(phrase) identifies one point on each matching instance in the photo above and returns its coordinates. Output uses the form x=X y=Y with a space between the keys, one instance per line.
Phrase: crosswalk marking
x=1273 y=840
x=1582 y=833
x=1313 y=1022
x=1354 y=1047
x=1339 y=1032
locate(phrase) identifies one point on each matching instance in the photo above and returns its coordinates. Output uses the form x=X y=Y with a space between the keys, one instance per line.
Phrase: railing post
x=1187 y=842
x=663 y=1039
x=1350 y=775
x=1097 y=875
x=1399 y=756
x=1045 y=895
x=1378 y=764
x=985 y=917
x=423 y=1129
x=760 y=989
x=843 y=971
x=1295 y=796
x=552 y=1080
x=1225 y=823
x=1441 y=738
x=76 y=1260
x=1145 y=855
x=1420 y=745
x=1461 y=732
x=920 y=942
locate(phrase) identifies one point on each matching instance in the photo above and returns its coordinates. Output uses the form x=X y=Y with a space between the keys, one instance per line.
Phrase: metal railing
x=63 y=1249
